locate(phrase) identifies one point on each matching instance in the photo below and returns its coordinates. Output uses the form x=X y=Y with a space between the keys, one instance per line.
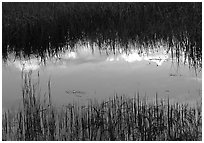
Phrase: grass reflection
x=118 y=118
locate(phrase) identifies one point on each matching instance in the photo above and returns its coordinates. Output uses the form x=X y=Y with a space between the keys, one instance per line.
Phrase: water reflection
x=89 y=69
x=79 y=52
x=84 y=52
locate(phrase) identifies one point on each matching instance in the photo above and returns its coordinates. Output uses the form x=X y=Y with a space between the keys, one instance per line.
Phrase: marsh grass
x=117 y=118
x=34 y=28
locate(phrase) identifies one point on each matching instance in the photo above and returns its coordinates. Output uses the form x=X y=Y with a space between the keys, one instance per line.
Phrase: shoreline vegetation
x=119 y=118
x=43 y=29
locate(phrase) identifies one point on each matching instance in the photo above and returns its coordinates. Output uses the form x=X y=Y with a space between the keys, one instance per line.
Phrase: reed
x=35 y=28
x=118 y=118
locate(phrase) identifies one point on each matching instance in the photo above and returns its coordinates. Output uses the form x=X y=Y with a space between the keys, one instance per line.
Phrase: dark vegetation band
x=35 y=27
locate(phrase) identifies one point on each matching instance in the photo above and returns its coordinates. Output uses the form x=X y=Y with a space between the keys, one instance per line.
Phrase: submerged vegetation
x=119 y=118
x=43 y=29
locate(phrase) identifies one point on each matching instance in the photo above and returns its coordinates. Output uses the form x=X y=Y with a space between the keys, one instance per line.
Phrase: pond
x=101 y=71
x=87 y=71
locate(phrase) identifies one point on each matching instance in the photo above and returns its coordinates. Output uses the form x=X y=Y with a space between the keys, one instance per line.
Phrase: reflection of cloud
x=124 y=57
x=27 y=65
x=84 y=51
x=158 y=59
x=65 y=63
x=133 y=57
x=110 y=59
x=69 y=55
x=87 y=60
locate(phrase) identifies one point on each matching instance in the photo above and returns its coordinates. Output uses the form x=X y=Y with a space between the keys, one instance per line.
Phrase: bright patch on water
x=100 y=75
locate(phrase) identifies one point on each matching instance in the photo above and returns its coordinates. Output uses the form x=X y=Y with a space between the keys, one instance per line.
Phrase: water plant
x=116 y=118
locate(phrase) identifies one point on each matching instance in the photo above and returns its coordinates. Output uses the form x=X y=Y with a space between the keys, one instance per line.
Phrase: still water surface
x=100 y=74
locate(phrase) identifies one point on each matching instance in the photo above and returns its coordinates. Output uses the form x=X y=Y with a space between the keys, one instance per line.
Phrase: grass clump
x=118 y=118
x=35 y=28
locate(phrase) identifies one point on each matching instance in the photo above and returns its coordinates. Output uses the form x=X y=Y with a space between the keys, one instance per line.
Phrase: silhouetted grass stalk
x=119 y=118
x=35 y=28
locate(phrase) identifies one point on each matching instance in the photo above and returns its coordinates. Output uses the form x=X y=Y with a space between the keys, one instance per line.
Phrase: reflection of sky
x=32 y=64
x=157 y=58
x=100 y=75
x=85 y=56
